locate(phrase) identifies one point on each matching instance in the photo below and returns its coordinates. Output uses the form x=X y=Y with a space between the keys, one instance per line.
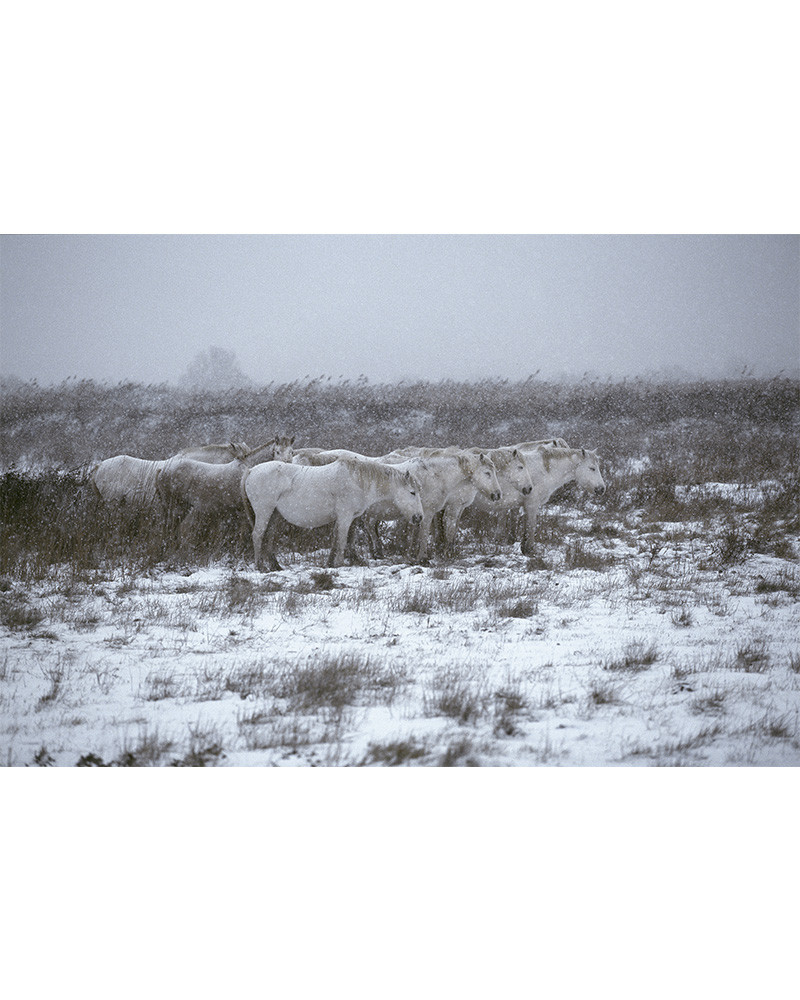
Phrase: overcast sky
x=399 y=307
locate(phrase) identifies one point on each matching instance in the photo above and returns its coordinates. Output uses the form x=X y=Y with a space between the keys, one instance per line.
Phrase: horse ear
x=515 y=453
x=484 y=459
x=583 y=452
x=291 y=439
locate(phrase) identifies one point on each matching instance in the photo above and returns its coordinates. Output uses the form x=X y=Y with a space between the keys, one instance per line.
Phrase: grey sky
x=392 y=307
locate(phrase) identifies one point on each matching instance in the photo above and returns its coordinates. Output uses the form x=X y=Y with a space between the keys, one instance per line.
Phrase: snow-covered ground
x=650 y=650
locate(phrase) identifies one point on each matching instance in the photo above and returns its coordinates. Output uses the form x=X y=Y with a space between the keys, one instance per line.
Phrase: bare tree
x=213 y=370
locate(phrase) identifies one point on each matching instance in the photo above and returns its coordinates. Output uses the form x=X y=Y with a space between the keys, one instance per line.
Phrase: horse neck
x=257 y=455
x=373 y=484
x=384 y=486
x=559 y=470
x=463 y=485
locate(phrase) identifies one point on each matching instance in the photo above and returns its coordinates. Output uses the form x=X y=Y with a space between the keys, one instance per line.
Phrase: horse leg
x=270 y=532
x=439 y=534
x=350 y=550
x=264 y=519
x=451 y=515
x=530 y=512
x=373 y=537
x=418 y=550
x=507 y=526
x=341 y=529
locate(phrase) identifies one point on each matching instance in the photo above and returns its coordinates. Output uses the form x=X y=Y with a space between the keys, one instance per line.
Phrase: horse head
x=587 y=471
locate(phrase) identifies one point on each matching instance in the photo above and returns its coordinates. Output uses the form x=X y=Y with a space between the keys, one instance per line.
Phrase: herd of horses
x=310 y=487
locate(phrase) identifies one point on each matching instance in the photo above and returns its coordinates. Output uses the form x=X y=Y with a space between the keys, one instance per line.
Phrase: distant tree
x=214 y=370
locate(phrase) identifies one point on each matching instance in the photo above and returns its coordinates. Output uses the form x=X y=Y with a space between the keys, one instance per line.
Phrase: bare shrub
x=537 y=562
x=637 y=655
x=159 y=687
x=17 y=613
x=417 y=600
x=56 y=676
x=783 y=581
x=292 y=603
x=602 y=692
x=205 y=748
x=459 y=753
x=334 y=680
x=319 y=581
x=578 y=555
x=778 y=727
x=148 y=751
x=395 y=753
x=682 y=617
x=252 y=680
x=508 y=703
x=43 y=757
x=663 y=752
x=751 y=657
x=711 y=703
x=733 y=543
x=451 y=694
x=289 y=733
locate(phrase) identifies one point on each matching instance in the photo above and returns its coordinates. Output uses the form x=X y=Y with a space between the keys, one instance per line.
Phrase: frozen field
x=627 y=644
x=659 y=625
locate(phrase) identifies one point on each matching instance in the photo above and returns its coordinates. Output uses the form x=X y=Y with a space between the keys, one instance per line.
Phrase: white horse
x=311 y=496
x=191 y=490
x=282 y=451
x=450 y=475
x=515 y=484
x=322 y=456
x=550 y=468
x=133 y=480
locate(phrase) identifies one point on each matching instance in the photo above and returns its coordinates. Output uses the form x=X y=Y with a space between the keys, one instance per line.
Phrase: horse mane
x=550 y=453
x=371 y=472
x=501 y=457
x=467 y=462
x=450 y=449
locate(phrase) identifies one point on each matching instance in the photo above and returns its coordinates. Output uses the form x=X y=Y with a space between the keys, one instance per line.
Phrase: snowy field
x=625 y=644
x=658 y=625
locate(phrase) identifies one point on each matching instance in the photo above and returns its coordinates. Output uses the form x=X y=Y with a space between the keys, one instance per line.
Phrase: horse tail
x=90 y=469
x=248 y=507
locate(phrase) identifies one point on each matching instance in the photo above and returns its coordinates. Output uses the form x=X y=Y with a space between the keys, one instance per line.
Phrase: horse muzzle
x=495 y=496
x=526 y=490
x=416 y=519
x=599 y=491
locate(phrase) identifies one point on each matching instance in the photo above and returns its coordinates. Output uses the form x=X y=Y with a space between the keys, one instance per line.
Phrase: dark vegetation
x=741 y=431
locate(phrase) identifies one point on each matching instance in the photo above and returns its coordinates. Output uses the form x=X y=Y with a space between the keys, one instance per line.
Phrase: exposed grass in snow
x=649 y=660
x=658 y=626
